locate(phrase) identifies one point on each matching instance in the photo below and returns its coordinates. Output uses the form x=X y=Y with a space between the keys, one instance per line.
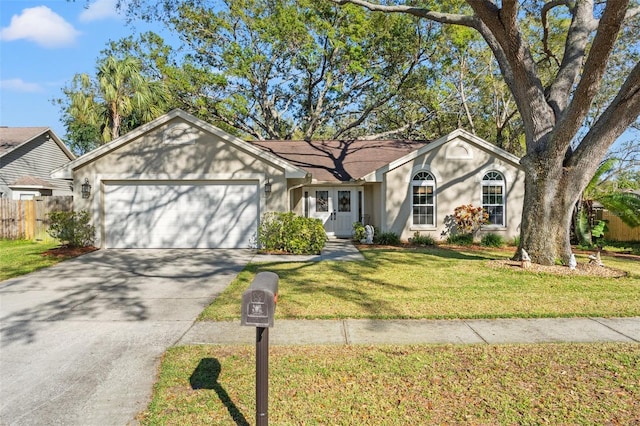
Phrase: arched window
x=493 y=197
x=423 y=187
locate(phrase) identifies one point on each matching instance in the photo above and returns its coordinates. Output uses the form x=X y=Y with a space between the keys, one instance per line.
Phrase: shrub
x=289 y=233
x=492 y=240
x=359 y=233
x=422 y=240
x=386 y=239
x=460 y=239
x=71 y=228
x=468 y=219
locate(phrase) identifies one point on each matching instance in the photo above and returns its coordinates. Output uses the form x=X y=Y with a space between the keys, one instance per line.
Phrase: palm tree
x=127 y=95
x=120 y=99
x=625 y=205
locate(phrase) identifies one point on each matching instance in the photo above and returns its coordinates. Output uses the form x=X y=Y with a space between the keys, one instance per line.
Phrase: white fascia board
x=61 y=173
x=61 y=144
x=66 y=172
x=504 y=155
x=377 y=175
x=314 y=182
x=55 y=138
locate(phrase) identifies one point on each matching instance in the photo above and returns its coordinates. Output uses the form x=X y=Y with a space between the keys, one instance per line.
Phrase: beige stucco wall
x=153 y=157
x=458 y=167
x=296 y=200
x=372 y=204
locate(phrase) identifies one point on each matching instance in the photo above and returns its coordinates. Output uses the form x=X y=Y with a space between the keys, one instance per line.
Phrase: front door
x=336 y=207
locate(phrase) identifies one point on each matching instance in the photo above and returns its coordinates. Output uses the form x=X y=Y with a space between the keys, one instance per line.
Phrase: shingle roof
x=25 y=181
x=340 y=160
x=13 y=137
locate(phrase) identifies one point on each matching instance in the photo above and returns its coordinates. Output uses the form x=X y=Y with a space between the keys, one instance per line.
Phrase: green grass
x=435 y=283
x=402 y=385
x=414 y=384
x=19 y=257
x=621 y=246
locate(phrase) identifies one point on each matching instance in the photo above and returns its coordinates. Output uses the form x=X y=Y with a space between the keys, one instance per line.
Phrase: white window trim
x=426 y=226
x=24 y=195
x=495 y=226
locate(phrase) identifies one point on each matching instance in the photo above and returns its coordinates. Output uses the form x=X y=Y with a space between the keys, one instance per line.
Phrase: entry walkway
x=355 y=332
x=335 y=249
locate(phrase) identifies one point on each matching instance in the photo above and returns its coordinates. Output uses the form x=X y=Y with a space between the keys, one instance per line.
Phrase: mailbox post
x=258 y=310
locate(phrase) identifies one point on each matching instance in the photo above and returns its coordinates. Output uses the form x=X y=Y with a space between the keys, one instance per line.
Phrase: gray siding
x=36 y=158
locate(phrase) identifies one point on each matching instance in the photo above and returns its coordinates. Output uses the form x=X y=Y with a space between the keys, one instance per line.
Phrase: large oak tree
x=295 y=69
x=561 y=155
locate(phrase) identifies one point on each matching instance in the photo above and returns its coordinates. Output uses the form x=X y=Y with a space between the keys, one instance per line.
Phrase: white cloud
x=100 y=9
x=19 y=85
x=42 y=26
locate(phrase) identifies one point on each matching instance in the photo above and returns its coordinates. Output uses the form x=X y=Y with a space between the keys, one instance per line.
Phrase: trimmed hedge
x=289 y=233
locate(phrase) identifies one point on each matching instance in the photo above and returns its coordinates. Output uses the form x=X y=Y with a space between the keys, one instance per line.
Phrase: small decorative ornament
x=368 y=231
x=594 y=259
x=525 y=258
x=572 y=262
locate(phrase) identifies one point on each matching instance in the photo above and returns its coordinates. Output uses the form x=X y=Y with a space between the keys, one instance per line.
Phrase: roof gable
x=340 y=160
x=458 y=134
x=67 y=170
x=11 y=138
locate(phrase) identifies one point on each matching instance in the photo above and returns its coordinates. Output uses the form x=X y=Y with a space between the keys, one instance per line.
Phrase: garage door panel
x=153 y=215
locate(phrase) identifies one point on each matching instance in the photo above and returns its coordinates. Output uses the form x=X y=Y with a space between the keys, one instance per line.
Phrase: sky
x=43 y=44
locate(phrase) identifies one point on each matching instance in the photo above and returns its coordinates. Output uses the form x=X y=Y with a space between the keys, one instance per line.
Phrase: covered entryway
x=180 y=214
x=337 y=207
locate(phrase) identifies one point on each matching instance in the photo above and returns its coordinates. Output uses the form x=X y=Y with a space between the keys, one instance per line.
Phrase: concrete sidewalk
x=356 y=332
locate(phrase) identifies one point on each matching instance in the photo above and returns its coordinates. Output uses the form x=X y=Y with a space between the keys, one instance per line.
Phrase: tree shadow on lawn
x=205 y=376
x=372 y=299
x=321 y=276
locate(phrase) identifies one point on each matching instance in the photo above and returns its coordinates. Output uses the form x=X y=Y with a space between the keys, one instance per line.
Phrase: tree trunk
x=547 y=212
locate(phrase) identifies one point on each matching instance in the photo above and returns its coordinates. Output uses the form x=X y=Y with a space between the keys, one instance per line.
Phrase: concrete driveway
x=80 y=342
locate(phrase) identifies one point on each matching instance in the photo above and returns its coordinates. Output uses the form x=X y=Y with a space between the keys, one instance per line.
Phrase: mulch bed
x=582 y=269
x=66 y=251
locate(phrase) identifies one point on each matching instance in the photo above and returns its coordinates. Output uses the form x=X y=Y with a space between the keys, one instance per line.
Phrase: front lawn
x=19 y=257
x=414 y=384
x=569 y=384
x=436 y=283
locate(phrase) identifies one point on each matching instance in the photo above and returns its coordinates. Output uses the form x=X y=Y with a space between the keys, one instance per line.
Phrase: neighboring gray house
x=181 y=182
x=27 y=157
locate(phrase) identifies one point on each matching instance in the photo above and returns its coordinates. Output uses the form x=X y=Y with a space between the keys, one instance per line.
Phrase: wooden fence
x=617 y=230
x=28 y=219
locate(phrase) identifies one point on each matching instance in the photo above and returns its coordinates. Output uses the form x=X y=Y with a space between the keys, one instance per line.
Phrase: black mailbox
x=259 y=301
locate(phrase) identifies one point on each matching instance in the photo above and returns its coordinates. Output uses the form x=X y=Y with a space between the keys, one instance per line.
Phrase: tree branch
x=582 y=24
x=501 y=32
x=545 y=26
x=592 y=73
x=632 y=13
x=622 y=111
x=443 y=18
x=395 y=131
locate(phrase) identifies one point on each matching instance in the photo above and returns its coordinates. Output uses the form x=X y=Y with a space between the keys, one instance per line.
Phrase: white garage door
x=180 y=214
